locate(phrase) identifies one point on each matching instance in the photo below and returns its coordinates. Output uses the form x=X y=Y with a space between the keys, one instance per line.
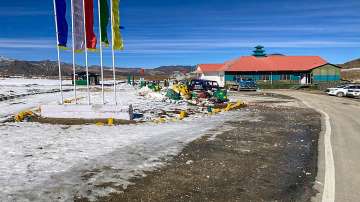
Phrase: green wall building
x=273 y=68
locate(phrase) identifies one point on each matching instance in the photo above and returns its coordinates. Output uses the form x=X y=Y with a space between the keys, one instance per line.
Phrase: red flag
x=89 y=24
x=142 y=72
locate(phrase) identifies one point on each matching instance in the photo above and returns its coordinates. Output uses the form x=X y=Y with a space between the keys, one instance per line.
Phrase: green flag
x=104 y=18
x=117 y=39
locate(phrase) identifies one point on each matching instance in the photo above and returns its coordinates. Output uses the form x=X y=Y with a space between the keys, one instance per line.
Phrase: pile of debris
x=198 y=101
x=182 y=92
x=160 y=104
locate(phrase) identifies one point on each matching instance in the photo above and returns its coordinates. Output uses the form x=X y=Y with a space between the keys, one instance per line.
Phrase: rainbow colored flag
x=89 y=24
x=118 y=43
x=62 y=25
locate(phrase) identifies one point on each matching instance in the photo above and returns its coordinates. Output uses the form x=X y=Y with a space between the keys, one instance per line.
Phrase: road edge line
x=329 y=182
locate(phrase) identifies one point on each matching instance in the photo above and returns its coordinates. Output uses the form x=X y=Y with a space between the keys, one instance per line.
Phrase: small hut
x=81 y=80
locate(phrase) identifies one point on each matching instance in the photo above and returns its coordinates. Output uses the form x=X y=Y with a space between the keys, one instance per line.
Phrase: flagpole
x=73 y=48
x=86 y=56
x=114 y=74
x=58 y=52
x=101 y=56
x=112 y=49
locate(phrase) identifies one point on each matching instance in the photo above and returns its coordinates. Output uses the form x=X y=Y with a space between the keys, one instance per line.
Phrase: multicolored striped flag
x=104 y=18
x=118 y=43
x=78 y=15
x=62 y=25
x=89 y=24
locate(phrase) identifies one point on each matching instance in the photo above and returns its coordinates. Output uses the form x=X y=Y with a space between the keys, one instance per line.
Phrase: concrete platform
x=73 y=111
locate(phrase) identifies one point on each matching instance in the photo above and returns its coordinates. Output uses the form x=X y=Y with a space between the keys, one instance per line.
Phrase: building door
x=303 y=80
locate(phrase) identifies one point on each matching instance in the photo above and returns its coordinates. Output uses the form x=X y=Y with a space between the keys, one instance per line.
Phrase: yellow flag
x=118 y=43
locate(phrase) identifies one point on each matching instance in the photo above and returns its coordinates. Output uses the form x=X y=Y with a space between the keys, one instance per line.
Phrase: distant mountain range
x=10 y=67
x=5 y=59
x=352 y=64
x=351 y=70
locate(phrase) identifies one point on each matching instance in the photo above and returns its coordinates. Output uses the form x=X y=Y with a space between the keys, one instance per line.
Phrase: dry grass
x=351 y=75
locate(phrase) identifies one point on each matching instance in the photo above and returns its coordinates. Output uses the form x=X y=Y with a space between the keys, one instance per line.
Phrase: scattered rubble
x=197 y=102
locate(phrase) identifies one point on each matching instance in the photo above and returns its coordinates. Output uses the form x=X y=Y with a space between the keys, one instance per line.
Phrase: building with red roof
x=271 y=68
x=212 y=72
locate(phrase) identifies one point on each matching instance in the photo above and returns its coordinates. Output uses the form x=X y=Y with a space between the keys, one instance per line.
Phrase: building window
x=265 y=77
x=285 y=77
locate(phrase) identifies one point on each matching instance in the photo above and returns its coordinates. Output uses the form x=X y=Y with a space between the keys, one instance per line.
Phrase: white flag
x=79 y=38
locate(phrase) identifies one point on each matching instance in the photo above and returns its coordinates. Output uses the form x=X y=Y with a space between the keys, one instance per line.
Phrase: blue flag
x=62 y=24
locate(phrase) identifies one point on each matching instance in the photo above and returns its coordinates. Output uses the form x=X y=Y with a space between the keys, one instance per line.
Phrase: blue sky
x=187 y=32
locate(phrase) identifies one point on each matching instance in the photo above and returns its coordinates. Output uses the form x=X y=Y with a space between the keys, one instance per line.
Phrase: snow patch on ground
x=150 y=105
x=54 y=163
x=40 y=162
x=32 y=82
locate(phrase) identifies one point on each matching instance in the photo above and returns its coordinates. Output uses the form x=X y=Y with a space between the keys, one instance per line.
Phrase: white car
x=344 y=90
x=354 y=92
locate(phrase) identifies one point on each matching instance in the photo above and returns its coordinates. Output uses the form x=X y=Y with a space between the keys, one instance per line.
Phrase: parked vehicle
x=344 y=90
x=204 y=85
x=242 y=84
x=354 y=92
x=247 y=84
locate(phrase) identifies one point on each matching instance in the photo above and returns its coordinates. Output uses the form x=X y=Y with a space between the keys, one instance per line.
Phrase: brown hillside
x=351 y=64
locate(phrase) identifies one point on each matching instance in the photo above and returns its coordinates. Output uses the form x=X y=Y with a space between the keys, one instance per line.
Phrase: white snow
x=29 y=82
x=46 y=162
x=16 y=86
x=41 y=162
x=87 y=111
x=12 y=107
x=149 y=106
x=20 y=86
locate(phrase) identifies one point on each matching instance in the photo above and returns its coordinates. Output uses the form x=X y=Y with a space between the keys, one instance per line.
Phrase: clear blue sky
x=165 y=32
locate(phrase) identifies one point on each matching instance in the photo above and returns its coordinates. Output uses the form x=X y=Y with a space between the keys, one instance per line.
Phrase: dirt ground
x=271 y=159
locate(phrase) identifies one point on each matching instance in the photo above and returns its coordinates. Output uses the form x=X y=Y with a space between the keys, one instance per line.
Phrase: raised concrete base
x=87 y=111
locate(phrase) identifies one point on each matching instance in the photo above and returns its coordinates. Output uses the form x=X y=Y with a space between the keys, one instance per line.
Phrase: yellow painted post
x=110 y=121
x=182 y=115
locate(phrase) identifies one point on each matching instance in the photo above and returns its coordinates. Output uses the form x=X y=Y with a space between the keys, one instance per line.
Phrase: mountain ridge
x=351 y=64
x=47 y=68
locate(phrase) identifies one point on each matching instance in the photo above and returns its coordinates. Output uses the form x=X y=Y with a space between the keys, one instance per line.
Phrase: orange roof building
x=274 y=63
x=272 y=68
x=210 y=68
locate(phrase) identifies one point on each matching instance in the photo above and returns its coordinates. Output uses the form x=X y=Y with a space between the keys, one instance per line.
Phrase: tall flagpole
x=86 y=56
x=58 y=52
x=73 y=48
x=101 y=56
x=112 y=49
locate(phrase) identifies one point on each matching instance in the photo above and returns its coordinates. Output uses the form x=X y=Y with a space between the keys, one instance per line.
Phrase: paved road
x=344 y=114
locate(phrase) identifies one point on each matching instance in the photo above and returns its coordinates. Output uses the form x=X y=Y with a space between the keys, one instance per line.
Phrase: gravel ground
x=272 y=158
